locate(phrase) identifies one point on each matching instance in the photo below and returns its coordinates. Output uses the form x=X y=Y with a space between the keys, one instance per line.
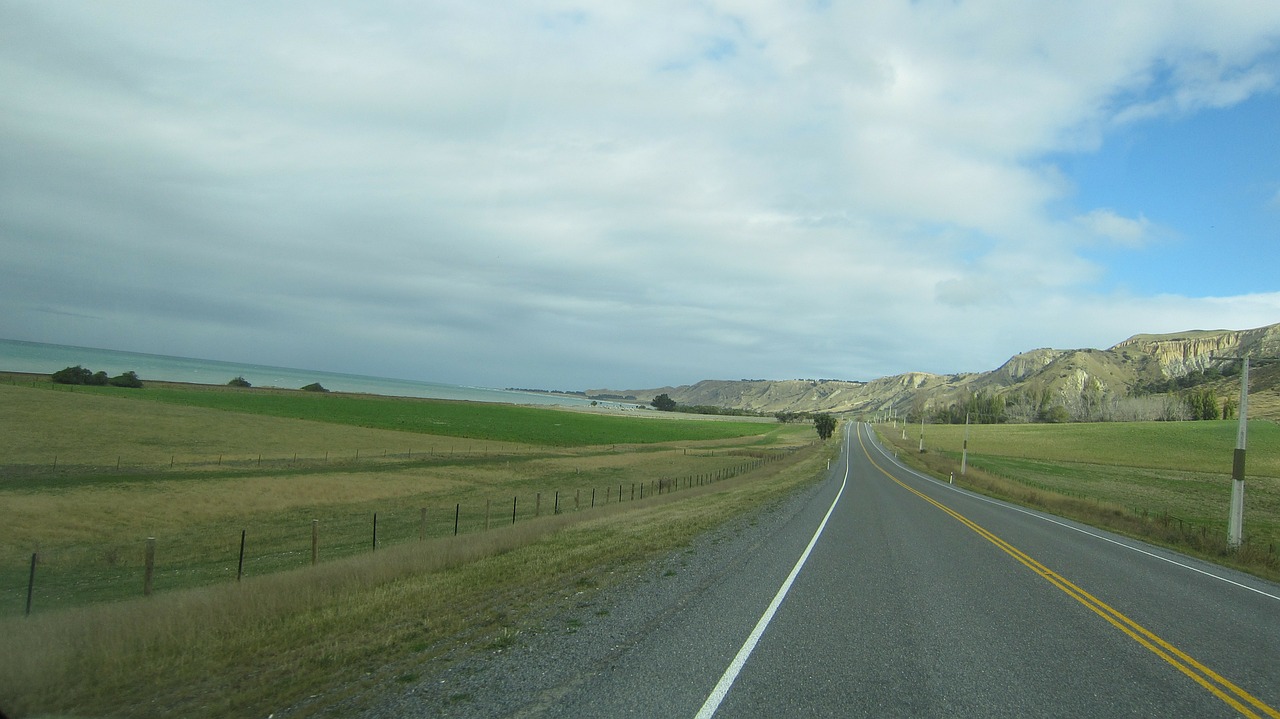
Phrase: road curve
x=889 y=594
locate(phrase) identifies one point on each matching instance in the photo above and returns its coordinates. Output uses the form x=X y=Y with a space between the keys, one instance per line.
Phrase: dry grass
x=205 y=645
x=1153 y=481
x=310 y=639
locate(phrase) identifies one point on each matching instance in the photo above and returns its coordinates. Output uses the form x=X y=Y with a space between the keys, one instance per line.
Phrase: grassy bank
x=313 y=638
x=291 y=634
x=1165 y=482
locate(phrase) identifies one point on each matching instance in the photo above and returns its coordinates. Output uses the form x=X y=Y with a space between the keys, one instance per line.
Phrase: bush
x=82 y=375
x=127 y=379
x=314 y=387
x=239 y=382
x=73 y=375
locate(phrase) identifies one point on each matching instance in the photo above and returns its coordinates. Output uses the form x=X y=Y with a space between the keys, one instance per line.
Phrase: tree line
x=1093 y=404
x=84 y=376
x=824 y=423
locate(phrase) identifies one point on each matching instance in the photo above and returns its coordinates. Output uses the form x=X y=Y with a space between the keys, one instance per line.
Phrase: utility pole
x=964 y=456
x=1235 y=520
x=922 y=431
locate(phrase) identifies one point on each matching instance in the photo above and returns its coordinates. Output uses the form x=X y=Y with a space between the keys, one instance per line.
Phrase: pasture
x=589 y=494
x=1168 y=482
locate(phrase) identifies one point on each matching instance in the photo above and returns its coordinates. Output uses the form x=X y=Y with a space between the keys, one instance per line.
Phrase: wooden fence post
x=31 y=581
x=375 y=531
x=240 y=566
x=149 y=566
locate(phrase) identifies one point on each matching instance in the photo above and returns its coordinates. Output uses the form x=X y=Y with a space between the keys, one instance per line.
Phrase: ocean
x=40 y=358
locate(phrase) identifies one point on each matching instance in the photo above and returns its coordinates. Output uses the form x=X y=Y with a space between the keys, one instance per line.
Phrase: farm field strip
x=89 y=525
x=206 y=645
x=1167 y=482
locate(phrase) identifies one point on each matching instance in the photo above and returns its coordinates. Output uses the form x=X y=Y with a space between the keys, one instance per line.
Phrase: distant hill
x=1128 y=381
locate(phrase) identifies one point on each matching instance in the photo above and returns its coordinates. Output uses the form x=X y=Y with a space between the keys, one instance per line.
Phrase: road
x=888 y=594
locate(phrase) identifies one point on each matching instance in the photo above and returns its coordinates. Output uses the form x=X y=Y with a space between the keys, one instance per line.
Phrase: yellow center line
x=1219 y=686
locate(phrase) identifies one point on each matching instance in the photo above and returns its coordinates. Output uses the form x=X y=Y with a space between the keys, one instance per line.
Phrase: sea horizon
x=46 y=358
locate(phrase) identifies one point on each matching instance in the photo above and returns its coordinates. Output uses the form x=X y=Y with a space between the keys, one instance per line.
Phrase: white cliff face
x=1067 y=374
x=1181 y=354
x=1021 y=366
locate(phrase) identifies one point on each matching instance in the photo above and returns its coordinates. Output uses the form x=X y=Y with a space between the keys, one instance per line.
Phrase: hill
x=1135 y=379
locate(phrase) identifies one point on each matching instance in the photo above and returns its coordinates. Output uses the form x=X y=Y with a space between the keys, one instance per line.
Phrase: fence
x=76 y=575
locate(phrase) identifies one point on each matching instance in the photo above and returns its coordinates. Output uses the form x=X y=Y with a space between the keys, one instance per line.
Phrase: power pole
x=1235 y=520
x=964 y=456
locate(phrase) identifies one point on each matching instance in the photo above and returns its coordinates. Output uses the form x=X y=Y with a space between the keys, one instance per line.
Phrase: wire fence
x=79 y=574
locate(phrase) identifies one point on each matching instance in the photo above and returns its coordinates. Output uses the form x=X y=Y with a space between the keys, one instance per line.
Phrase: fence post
x=240 y=566
x=315 y=541
x=513 y=509
x=149 y=566
x=537 y=504
x=556 y=507
x=375 y=531
x=31 y=582
x=457 y=512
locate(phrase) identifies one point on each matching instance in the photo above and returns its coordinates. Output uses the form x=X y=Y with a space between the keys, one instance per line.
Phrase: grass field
x=1168 y=482
x=462 y=420
x=206 y=645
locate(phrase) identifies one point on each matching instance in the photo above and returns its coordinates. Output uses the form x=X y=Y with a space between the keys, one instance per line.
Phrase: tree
x=126 y=379
x=663 y=403
x=314 y=387
x=1202 y=403
x=239 y=382
x=81 y=375
x=73 y=375
x=825 y=424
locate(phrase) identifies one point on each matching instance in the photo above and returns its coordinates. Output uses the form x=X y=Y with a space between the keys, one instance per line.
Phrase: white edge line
x=730 y=675
x=898 y=463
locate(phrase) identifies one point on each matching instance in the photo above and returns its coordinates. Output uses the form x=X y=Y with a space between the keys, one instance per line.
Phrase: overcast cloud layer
x=616 y=194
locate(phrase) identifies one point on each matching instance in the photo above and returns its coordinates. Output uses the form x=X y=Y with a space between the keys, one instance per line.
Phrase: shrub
x=73 y=375
x=239 y=382
x=314 y=387
x=82 y=375
x=127 y=379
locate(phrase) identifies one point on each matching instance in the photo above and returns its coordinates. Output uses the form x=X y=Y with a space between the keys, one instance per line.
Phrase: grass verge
x=1165 y=483
x=308 y=640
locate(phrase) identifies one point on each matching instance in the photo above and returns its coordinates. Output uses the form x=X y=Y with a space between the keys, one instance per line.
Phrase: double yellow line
x=1216 y=684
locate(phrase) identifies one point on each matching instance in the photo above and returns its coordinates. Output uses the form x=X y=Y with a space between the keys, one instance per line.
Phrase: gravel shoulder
x=580 y=632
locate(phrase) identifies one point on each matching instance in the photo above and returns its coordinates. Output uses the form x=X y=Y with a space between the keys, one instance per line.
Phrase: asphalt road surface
x=888 y=594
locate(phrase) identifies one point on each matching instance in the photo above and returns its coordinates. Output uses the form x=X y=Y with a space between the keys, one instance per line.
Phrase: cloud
x=619 y=194
x=1123 y=231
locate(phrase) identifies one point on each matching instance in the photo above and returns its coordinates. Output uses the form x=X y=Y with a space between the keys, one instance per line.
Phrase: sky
x=635 y=194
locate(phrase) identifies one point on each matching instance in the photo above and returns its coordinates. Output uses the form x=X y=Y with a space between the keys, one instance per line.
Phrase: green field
x=90 y=475
x=87 y=476
x=1168 y=482
x=469 y=420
